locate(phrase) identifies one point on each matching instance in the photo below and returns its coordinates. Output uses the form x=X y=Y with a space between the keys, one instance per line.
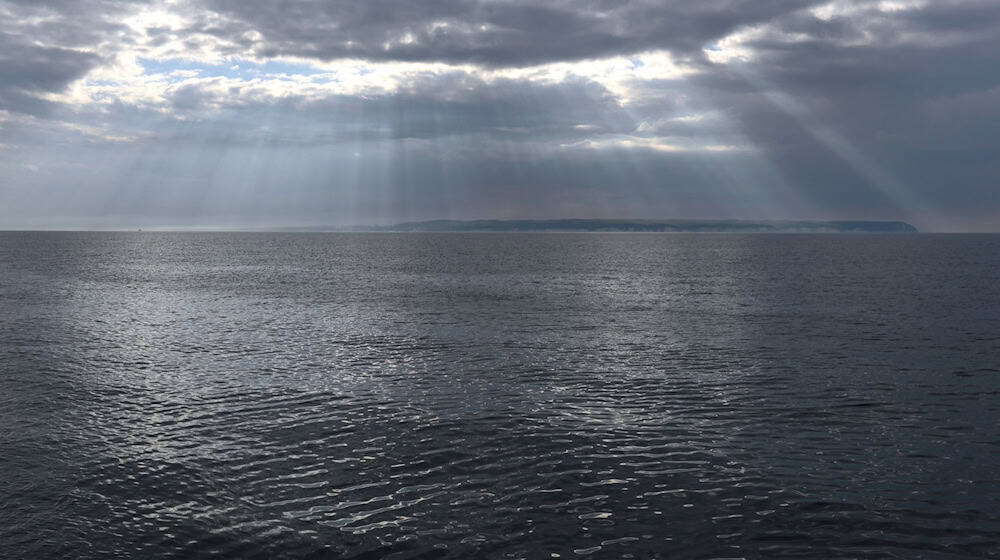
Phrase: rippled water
x=499 y=396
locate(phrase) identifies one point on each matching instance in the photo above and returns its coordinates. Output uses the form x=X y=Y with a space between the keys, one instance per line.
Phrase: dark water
x=499 y=396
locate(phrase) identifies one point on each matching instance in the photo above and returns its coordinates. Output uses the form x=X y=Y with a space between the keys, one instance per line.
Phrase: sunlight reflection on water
x=242 y=395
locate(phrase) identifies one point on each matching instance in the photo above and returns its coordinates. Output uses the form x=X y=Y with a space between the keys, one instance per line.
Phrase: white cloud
x=658 y=144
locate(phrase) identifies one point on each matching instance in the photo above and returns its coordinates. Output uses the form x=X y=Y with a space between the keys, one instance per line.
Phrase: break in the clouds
x=255 y=113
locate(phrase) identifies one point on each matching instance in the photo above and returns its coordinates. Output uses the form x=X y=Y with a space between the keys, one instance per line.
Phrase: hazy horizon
x=372 y=227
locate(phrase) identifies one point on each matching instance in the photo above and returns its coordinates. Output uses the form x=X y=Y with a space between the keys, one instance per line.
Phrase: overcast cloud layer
x=253 y=113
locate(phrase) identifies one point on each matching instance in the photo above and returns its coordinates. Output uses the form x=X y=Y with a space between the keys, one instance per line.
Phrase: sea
x=552 y=395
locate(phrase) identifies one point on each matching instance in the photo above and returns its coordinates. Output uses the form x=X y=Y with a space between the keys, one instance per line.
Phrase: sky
x=313 y=113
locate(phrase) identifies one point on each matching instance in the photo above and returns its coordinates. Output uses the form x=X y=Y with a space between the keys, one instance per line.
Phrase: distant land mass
x=721 y=226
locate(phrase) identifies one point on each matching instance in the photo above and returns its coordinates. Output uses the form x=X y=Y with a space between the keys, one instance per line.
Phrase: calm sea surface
x=194 y=395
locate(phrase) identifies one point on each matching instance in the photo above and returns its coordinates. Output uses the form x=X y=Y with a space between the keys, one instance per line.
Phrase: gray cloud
x=47 y=44
x=439 y=106
x=492 y=33
x=29 y=70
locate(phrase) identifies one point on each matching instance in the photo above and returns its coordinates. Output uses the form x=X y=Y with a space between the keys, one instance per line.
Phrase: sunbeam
x=221 y=117
x=866 y=167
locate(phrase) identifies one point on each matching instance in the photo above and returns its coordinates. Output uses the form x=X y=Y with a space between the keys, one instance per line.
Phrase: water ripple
x=606 y=396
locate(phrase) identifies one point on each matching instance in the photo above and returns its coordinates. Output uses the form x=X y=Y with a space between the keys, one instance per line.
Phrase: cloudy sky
x=256 y=113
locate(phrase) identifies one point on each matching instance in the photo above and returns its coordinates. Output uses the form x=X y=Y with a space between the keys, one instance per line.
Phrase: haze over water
x=205 y=395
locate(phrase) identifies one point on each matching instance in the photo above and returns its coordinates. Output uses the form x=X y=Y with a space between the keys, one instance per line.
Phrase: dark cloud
x=29 y=70
x=492 y=33
x=47 y=44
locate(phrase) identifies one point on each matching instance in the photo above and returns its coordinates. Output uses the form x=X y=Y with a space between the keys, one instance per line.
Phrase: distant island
x=720 y=226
